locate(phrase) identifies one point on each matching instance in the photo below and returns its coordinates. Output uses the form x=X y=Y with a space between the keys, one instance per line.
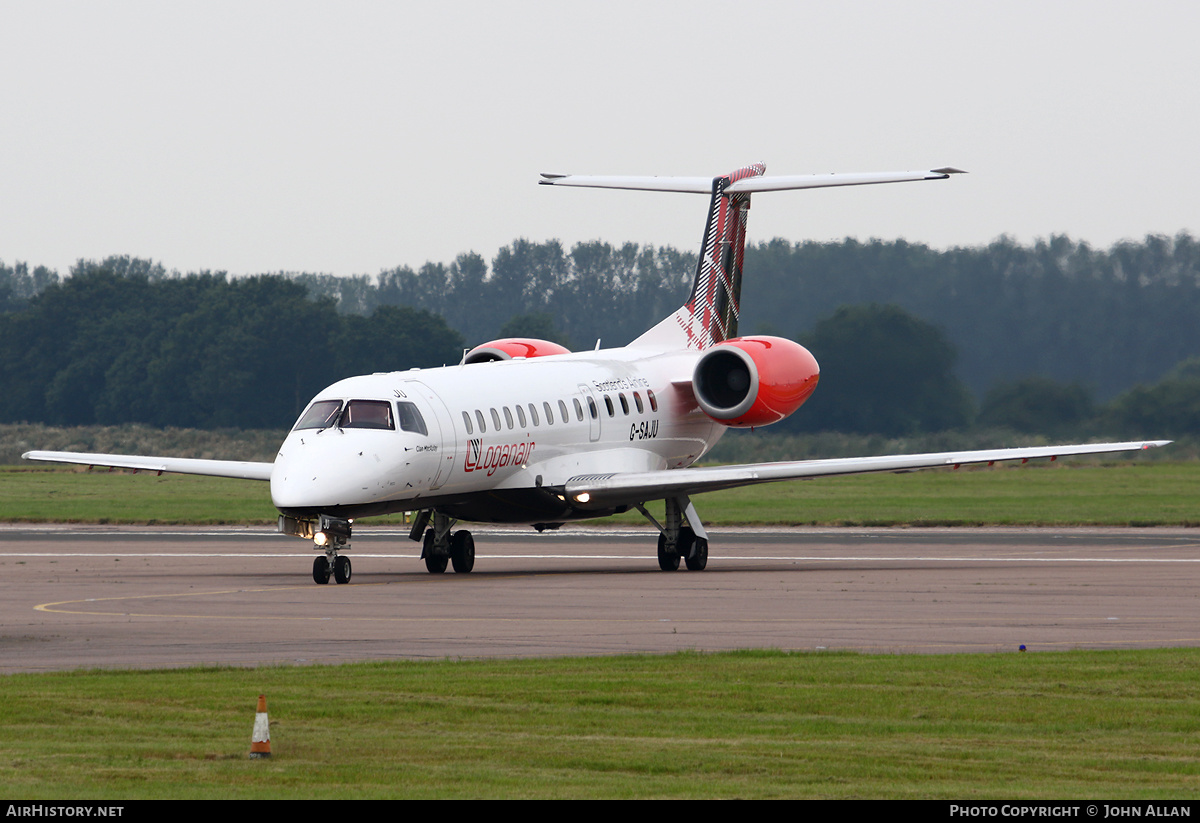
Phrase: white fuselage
x=498 y=446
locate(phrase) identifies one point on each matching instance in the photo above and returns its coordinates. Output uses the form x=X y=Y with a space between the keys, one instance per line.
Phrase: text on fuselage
x=491 y=458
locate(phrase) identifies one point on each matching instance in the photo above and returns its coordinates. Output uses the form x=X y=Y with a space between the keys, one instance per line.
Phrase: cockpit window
x=367 y=414
x=411 y=419
x=320 y=415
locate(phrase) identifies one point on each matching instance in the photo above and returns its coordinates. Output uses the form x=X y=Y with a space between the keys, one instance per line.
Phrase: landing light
x=320 y=538
x=582 y=497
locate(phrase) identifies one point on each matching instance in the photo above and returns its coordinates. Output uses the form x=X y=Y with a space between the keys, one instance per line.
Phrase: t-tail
x=710 y=314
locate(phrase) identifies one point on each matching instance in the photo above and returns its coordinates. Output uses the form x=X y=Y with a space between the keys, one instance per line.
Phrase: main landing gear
x=440 y=547
x=679 y=542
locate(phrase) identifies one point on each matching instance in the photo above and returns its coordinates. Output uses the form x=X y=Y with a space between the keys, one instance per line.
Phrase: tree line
x=1107 y=319
x=1090 y=332
x=115 y=343
x=885 y=371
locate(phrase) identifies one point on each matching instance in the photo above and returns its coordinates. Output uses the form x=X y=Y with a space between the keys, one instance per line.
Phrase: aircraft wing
x=601 y=491
x=239 y=469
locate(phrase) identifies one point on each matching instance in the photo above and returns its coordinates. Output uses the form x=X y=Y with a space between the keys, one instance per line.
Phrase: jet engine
x=509 y=347
x=754 y=381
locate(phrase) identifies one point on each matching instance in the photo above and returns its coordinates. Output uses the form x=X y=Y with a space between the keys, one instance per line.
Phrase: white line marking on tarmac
x=711 y=559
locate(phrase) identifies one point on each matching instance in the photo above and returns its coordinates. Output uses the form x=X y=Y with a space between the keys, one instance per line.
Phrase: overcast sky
x=351 y=137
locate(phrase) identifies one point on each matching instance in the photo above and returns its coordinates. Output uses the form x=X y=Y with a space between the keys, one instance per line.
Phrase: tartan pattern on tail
x=711 y=313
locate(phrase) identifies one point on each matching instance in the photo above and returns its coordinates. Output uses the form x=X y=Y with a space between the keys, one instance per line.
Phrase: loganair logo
x=479 y=459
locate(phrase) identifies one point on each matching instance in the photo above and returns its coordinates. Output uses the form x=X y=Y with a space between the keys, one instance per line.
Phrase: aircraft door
x=441 y=429
x=591 y=410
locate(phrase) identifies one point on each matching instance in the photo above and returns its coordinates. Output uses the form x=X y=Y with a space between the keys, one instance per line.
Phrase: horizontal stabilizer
x=748 y=185
x=238 y=469
x=824 y=181
x=693 y=185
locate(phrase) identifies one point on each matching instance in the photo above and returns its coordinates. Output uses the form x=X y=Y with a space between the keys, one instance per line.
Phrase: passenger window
x=592 y=409
x=608 y=404
x=467 y=423
x=320 y=415
x=549 y=414
x=562 y=412
x=482 y=425
x=496 y=418
x=521 y=417
x=367 y=414
x=578 y=408
x=653 y=400
x=410 y=418
x=637 y=398
x=624 y=403
x=508 y=417
x=533 y=414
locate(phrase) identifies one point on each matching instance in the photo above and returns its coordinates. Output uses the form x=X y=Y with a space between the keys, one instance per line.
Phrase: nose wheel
x=337 y=566
x=321 y=569
x=341 y=569
x=333 y=535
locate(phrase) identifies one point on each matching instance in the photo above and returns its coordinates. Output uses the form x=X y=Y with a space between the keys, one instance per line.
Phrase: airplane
x=524 y=431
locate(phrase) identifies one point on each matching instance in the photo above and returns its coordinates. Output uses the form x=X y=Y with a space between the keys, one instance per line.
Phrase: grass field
x=751 y=724
x=1110 y=724
x=1101 y=495
x=1128 y=494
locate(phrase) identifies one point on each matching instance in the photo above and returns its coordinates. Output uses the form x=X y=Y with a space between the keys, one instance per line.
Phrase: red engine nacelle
x=509 y=347
x=754 y=381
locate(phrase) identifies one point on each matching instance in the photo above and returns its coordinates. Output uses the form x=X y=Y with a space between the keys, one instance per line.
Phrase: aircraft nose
x=297 y=488
x=291 y=493
x=315 y=472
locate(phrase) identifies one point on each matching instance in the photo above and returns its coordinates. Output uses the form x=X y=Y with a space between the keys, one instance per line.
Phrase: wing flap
x=605 y=491
x=238 y=469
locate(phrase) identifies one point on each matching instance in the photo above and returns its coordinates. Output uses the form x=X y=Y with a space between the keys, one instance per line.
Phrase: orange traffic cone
x=260 y=740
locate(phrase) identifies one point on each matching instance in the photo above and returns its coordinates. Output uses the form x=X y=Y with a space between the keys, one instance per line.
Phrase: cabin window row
x=480 y=420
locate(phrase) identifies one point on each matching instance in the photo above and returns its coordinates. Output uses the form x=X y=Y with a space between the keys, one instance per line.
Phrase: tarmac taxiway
x=83 y=597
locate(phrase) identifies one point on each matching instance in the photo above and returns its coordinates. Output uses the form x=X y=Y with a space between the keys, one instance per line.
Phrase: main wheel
x=462 y=551
x=341 y=569
x=698 y=558
x=321 y=569
x=434 y=563
x=683 y=544
x=667 y=561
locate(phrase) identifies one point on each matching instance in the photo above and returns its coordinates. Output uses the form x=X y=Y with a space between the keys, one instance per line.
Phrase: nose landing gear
x=338 y=564
x=331 y=535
